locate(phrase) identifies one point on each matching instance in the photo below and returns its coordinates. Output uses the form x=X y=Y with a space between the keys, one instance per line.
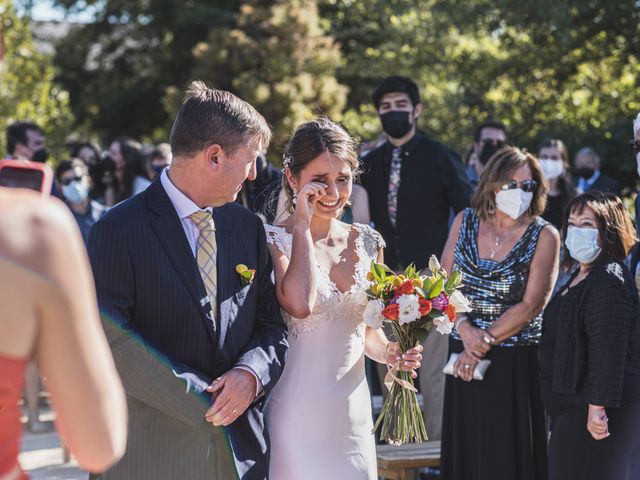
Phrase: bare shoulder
x=550 y=235
x=34 y=230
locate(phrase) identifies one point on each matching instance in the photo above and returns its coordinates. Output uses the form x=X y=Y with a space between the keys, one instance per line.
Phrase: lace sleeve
x=279 y=237
x=371 y=240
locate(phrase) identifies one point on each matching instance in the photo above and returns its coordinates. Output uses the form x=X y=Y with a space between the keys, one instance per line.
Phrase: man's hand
x=235 y=391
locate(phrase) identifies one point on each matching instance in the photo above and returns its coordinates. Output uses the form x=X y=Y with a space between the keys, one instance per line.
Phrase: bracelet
x=459 y=320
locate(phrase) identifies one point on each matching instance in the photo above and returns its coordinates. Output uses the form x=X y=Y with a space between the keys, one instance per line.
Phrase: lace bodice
x=331 y=303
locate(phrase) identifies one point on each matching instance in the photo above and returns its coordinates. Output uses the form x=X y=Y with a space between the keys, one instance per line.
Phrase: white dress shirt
x=184 y=207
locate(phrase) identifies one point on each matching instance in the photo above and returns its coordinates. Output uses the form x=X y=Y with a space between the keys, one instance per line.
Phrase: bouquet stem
x=401 y=417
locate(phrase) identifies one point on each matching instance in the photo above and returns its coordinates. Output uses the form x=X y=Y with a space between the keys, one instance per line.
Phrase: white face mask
x=583 y=244
x=513 y=202
x=638 y=163
x=552 y=169
x=75 y=192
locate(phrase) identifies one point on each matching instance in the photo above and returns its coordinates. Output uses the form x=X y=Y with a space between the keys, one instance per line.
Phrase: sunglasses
x=634 y=146
x=70 y=180
x=526 y=185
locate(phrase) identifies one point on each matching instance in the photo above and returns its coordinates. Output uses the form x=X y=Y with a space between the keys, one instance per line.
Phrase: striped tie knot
x=203 y=220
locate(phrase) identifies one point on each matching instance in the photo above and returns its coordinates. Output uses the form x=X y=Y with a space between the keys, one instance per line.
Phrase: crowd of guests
x=548 y=262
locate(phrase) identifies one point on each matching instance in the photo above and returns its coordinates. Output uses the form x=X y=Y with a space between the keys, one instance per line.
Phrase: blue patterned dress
x=495 y=429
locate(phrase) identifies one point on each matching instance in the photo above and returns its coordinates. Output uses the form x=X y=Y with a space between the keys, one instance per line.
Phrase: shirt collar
x=184 y=205
x=593 y=178
x=409 y=146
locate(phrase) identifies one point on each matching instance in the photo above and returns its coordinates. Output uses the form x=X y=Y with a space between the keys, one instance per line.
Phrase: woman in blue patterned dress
x=495 y=428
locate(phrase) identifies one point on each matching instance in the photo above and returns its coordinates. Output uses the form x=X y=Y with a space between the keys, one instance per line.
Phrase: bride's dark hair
x=309 y=141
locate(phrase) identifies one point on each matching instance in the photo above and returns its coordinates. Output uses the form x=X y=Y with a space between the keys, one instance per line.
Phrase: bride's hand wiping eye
x=306 y=198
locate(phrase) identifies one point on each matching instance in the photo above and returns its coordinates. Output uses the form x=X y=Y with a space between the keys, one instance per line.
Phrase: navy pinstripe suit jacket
x=165 y=344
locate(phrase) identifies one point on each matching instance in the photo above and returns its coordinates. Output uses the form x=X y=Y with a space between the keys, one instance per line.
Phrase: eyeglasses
x=526 y=185
x=70 y=180
x=634 y=146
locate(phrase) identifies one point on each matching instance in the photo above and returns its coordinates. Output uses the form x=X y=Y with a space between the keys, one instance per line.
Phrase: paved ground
x=42 y=455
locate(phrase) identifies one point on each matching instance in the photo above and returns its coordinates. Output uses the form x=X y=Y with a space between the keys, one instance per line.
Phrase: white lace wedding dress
x=319 y=412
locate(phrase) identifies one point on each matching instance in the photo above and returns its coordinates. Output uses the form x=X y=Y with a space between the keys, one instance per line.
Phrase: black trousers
x=574 y=453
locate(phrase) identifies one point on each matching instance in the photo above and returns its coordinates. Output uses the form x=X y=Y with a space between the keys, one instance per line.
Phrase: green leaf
x=420 y=334
x=436 y=289
x=427 y=285
x=378 y=272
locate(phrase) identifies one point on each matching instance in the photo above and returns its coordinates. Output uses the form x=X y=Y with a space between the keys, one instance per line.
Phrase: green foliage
x=28 y=90
x=277 y=58
x=546 y=68
x=549 y=68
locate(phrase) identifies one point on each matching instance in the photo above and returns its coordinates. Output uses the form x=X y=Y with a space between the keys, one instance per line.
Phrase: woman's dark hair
x=499 y=171
x=309 y=141
x=135 y=165
x=564 y=181
x=78 y=147
x=616 y=233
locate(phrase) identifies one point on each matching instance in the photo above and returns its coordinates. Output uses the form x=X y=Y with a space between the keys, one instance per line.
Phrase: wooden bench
x=402 y=462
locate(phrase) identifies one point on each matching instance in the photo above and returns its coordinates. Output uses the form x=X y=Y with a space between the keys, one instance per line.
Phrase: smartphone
x=25 y=174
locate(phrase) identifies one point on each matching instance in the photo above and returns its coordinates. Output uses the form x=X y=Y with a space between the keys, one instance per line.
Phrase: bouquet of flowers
x=411 y=303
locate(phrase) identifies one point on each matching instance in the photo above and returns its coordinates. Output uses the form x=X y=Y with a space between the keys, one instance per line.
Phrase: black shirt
x=432 y=184
x=555 y=209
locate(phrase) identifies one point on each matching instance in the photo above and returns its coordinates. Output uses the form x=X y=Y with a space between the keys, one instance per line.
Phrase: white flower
x=460 y=302
x=373 y=313
x=360 y=297
x=443 y=325
x=409 y=308
x=434 y=265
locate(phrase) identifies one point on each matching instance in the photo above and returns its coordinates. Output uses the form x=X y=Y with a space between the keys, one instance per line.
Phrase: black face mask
x=40 y=156
x=586 y=172
x=489 y=149
x=396 y=124
x=158 y=169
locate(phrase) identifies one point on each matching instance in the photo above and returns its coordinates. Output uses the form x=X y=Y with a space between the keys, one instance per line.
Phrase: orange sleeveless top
x=11 y=383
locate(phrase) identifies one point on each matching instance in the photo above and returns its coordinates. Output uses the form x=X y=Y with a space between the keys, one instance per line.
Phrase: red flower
x=405 y=288
x=425 y=306
x=391 y=311
x=450 y=311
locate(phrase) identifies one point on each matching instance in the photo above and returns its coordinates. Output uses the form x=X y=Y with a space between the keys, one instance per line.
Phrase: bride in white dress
x=319 y=413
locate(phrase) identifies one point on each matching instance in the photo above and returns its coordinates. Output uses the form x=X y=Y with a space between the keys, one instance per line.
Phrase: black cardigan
x=597 y=347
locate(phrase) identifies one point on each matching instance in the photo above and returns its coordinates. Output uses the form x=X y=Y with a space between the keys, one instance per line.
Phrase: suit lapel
x=170 y=232
x=226 y=269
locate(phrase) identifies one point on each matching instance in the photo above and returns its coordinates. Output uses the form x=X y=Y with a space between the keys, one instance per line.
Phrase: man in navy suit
x=198 y=348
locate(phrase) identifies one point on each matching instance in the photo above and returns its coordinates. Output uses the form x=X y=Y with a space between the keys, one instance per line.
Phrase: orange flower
x=425 y=306
x=391 y=311
x=405 y=288
x=450 y=311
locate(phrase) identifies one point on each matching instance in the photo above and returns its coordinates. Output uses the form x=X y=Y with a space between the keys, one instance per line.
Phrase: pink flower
x=440 y=302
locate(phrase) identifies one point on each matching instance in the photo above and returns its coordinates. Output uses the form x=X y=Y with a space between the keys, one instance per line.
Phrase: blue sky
x=44 y=10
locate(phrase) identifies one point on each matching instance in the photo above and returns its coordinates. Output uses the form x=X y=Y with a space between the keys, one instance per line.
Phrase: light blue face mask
x=583 y=244
x=75 y=192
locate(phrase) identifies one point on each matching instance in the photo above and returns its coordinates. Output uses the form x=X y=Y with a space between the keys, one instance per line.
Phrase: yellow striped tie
x=206 y=253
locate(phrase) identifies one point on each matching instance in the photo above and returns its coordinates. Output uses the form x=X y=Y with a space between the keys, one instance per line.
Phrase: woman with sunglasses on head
x=590 y=347
x=495 y=428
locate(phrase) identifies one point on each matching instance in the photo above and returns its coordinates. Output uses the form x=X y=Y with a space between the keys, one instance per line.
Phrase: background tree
x=28 y=90
x=546 y=68
x=277 y=58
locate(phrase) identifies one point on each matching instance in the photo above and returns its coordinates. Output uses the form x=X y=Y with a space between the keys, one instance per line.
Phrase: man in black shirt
x=414 y=183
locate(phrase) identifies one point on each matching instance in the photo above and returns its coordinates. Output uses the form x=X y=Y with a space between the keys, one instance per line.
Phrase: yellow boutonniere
x=246 y=274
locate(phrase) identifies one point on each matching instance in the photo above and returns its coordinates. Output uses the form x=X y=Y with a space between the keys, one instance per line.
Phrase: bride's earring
x=293 y=199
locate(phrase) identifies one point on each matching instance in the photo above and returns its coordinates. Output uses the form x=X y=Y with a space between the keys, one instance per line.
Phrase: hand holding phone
x=25 y=174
